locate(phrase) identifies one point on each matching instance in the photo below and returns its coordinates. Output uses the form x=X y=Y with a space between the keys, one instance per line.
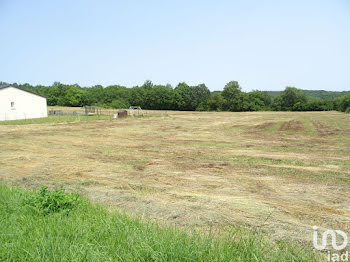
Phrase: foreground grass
x=56 y=119
x=90 y=233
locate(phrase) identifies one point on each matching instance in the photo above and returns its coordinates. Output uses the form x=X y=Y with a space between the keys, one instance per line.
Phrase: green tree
x=161 y=97
x=119 y=103
x=184 y=91
x=344 y=103
x=258 y=100
x=115 y=92
x=93 y=95
x=291 y=99
x=199 y=94
x=73 y=97
x=215 y=102
x=52 y=95
x=185 y=97
x=317 y=104
x=233 y=95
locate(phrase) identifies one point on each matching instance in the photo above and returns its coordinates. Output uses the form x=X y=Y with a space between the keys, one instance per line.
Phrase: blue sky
x=263 y=45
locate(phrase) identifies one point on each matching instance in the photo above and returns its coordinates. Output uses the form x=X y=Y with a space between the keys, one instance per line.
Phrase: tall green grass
x=73 y=229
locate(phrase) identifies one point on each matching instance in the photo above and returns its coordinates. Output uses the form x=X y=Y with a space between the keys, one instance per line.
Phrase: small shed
x=122 y=113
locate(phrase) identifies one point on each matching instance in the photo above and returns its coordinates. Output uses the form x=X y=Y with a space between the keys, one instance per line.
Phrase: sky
x=264 y=45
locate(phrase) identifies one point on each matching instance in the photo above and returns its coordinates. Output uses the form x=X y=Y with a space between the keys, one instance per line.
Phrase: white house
x=17 y=103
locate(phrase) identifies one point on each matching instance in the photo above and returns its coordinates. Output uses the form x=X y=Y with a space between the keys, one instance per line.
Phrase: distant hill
x=273 y=93
x=316 y=93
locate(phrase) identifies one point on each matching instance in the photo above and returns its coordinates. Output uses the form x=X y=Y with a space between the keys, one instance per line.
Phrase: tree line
x=186 y=98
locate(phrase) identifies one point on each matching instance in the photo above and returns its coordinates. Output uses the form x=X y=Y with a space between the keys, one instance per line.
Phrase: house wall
x=26 y=105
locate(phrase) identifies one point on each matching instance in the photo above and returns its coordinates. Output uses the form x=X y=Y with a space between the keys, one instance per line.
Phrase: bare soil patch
x=292 y=125
x=261 y=127
x=325 y=130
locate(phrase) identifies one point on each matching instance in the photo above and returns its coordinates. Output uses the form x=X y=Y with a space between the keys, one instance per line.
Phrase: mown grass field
x=279 y=172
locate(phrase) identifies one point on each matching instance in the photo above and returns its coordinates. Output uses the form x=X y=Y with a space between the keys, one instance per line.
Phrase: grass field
x=279 y=172
x=56 y=119
x=68 y=117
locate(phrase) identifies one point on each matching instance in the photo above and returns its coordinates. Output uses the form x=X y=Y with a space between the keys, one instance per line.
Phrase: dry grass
x=281 y=172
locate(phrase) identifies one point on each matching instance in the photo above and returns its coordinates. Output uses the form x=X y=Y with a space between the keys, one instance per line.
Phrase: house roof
x=6 y=86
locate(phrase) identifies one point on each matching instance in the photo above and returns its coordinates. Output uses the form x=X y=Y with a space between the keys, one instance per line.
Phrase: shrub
x=344 y=103
x=45 y=201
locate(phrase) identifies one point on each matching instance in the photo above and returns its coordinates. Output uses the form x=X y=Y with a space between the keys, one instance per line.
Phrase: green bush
x=45 y=201
x=344 y=103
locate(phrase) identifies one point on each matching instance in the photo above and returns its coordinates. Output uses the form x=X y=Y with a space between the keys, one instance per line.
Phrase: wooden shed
x=122 y=113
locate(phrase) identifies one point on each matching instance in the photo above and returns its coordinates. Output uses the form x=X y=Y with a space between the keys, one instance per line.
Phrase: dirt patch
x=292 y=125
x=325 y=130
x=265 y=125
x=215 y=165
x=261 y=127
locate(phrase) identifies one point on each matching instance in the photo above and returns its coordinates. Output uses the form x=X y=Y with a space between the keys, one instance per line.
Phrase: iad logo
x=333 y=233
x=334 y=239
